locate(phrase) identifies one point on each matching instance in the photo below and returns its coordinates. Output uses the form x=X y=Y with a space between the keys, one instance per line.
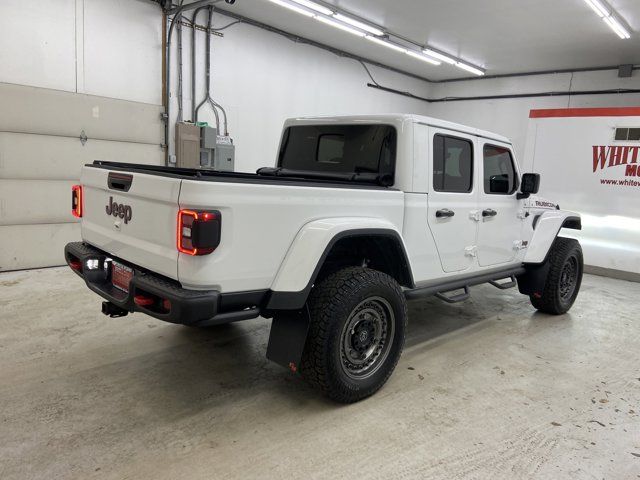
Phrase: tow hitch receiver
x=112 y=310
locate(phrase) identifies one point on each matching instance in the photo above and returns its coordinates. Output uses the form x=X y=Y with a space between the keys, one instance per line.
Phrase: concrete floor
x=486 y=389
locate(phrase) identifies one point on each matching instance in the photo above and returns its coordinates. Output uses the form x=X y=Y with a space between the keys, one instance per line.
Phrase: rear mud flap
x=287 y=338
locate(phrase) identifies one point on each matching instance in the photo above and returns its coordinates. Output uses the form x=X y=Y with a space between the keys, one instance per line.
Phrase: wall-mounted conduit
x=177 y=11
x=215 y=106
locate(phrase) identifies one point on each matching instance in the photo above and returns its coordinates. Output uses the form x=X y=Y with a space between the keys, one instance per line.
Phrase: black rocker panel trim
x=469 y=281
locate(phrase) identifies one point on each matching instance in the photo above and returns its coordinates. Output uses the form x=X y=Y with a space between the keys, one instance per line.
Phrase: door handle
x=445 y=213
x=489 y=212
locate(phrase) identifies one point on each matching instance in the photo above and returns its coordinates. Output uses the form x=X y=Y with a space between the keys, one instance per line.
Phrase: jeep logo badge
x=119 y=210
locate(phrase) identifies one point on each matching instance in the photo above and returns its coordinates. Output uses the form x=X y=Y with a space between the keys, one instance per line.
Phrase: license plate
x=121 y=276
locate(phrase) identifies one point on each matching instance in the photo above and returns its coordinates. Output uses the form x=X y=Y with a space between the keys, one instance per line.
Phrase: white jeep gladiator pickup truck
x=359 y=215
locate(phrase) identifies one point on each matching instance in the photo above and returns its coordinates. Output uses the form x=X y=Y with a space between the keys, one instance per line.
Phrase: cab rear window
x=339 y=149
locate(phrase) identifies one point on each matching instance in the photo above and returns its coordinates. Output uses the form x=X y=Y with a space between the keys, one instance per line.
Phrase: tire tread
x=549 y=302
x=324 y=302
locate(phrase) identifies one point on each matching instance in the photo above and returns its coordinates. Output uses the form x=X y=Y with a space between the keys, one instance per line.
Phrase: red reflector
x=166 y=304
x=143 y=301
x=76 y=265
x=76 y=201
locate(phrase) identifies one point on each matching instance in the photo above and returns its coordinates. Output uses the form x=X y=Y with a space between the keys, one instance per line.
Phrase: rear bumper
x=188 y=307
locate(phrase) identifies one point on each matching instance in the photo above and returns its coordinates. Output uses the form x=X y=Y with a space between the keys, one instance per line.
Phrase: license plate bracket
x=121 y=276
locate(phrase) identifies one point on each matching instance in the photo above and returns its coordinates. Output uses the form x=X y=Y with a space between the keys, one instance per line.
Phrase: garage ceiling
x=502 y=36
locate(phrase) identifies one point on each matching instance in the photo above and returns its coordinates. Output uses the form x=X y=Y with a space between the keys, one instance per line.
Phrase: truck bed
x=232 y=177
x=261 y=216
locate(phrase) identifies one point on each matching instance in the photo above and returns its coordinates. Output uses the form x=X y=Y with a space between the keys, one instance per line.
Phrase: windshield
x=345 y=149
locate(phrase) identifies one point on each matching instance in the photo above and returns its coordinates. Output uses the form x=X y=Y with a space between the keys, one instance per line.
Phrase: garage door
x=45 y=138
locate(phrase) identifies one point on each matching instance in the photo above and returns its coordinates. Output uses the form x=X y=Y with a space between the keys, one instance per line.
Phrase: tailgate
x=143 y=229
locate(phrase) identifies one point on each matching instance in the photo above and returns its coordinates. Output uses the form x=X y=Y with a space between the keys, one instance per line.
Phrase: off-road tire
x=565 y=254
x=334 y=304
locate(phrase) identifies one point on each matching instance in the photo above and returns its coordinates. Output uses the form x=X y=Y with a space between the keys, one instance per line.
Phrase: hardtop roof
x=396 y=119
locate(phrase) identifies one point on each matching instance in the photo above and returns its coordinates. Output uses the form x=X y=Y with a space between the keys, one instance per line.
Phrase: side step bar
x=505 y=286
x=455 y=298
x=464 y=283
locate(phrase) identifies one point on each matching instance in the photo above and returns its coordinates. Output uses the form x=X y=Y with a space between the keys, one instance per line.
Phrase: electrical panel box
x=202 y=147
x=187 y=145
x=209 y=137
x=224 y=156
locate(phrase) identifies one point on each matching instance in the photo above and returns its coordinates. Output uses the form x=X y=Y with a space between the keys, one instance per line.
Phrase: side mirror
x=499 y=184
x=530 y=185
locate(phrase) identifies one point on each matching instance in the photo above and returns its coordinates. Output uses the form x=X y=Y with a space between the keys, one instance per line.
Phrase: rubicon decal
x=615 y=156
x=545 y=204
x=119 y=210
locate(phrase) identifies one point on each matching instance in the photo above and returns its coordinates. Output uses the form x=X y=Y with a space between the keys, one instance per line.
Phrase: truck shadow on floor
x=200 y=375
x=191 y=371
x=431 y=318
x=232 y=357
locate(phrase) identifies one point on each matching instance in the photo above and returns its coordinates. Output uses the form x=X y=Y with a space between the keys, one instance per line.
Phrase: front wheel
x=562 y=285
x=357 y=332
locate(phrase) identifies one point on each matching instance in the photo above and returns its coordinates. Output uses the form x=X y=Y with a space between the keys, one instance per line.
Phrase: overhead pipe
x=618 y=91
x=344 y=54
x=198 y=4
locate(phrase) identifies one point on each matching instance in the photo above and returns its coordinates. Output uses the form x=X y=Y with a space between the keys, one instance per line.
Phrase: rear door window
x=452 y=164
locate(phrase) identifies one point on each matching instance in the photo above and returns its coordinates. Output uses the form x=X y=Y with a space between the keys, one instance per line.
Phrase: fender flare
x=546 y=228
x=310 y=248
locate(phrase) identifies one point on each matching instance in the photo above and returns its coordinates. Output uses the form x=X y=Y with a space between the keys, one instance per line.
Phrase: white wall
x=511 y=117
x=262 y=78
x=605 y=194
x=110 y=48
x=113 y=49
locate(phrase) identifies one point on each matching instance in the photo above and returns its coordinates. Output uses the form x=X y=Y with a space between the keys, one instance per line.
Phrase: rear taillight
x=76 y=201
x=198 y=232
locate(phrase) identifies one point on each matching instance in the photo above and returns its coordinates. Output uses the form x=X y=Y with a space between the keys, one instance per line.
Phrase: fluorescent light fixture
x=422 y=57
x=314 y=6
x=384 y=43
x=598 y=7
x=440 y=56
x=359 y=24
x=607 y=15
x=470 y=68
x=339 y=25
x=617 y=27
x=293 y=8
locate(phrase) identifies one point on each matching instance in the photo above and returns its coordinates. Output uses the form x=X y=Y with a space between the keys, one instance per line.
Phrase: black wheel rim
x=569 y=278
x=366 y=338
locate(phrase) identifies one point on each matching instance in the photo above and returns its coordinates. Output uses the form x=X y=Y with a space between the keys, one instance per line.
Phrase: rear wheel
x=356 y=336
x=564 y=278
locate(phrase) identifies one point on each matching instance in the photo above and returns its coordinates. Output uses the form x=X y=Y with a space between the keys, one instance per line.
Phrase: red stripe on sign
x=586 y=112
